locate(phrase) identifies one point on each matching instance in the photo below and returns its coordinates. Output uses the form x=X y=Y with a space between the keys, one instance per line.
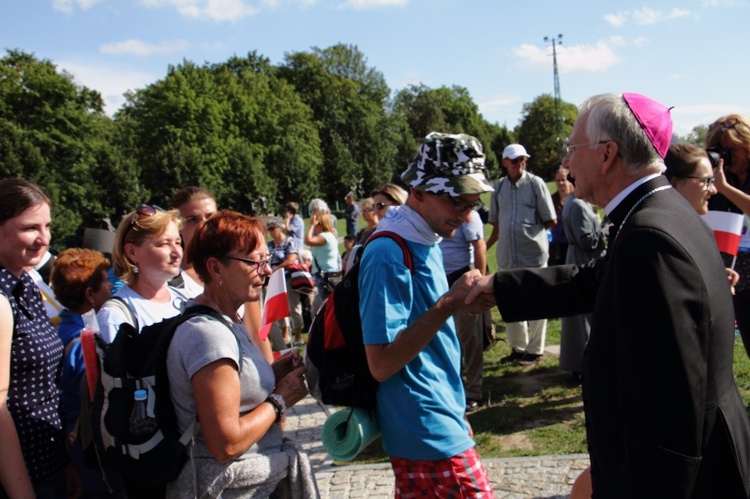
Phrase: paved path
x=547 y=477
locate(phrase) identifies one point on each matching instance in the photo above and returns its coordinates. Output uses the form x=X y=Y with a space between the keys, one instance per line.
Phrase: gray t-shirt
x=201 y=341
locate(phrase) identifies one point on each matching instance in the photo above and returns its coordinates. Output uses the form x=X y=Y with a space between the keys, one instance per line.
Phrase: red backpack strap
x=401 y=242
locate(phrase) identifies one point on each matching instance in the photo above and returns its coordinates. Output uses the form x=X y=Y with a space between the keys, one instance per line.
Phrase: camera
x=716 y=153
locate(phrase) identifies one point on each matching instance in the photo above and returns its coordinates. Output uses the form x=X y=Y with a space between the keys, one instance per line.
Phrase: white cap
x=514 y=150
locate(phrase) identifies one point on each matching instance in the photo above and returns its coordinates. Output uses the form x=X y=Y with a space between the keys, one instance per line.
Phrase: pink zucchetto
x=654 y=119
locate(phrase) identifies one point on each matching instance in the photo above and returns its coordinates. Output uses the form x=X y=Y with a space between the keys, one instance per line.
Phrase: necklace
x=637 y=203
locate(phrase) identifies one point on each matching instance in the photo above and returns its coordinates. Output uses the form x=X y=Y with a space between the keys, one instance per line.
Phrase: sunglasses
x=144 y=211
x=729 y=123
x=259 y=264
x=381 y=205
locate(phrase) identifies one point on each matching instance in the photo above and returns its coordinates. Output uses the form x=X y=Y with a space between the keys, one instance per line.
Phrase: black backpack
x=338 y=373
x=136 y=361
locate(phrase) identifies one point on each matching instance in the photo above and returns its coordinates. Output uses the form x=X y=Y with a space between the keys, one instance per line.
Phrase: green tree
x=538 y=133
x=501 y=137
x=449 y=110
x=54 y=133
x=349 y=101
x=697 y=136
x=233 y=128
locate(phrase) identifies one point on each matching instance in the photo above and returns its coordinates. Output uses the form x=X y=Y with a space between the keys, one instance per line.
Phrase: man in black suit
x=664 y=417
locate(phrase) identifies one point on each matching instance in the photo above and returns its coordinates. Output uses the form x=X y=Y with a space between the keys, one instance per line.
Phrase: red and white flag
x=276 y=305
x=727 y=227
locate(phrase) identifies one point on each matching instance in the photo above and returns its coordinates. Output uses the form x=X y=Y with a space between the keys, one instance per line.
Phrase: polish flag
x=276 y=305
x=727 y=229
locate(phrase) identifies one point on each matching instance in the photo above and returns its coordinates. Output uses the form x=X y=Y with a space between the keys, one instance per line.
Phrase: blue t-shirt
x=298 y=228
x=458 y=251
x=420 y=408
x=69 y=329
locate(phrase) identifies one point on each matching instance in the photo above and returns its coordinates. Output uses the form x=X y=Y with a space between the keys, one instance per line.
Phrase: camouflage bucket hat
x=448 y=164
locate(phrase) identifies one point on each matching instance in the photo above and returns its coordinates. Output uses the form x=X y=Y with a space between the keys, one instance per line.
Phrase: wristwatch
x=277 y=401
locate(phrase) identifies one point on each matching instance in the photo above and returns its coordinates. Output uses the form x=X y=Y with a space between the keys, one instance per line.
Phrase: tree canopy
x=257 y=135
x=54 y=133
x=539 y=134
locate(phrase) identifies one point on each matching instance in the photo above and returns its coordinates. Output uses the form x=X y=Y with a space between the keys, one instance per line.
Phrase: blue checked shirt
x=520 y=212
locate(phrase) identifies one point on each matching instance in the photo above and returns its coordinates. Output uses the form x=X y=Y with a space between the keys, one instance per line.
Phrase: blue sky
x=690 y=54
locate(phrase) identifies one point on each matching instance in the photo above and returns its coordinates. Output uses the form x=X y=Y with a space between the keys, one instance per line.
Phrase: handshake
x=471 y=293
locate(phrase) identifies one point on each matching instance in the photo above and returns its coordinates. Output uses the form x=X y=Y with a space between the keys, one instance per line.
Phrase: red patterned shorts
x=460 y=476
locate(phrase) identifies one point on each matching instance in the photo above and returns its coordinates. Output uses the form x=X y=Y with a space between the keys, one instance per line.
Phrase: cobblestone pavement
x=547 y=477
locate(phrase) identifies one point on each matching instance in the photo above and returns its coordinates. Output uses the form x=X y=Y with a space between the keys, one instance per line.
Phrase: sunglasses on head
x=728 y=123
x=144 y=210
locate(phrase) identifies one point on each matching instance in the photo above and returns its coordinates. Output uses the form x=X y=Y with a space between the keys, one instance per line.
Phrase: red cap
x=654 y=119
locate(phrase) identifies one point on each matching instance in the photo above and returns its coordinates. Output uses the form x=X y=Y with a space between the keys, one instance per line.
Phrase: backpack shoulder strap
x=69 y=345
x=119 y=303
x=177 y=282
x=195 y=310
x=400 y=241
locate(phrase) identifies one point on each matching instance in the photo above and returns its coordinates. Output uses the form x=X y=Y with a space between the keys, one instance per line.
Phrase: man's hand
x=482 y=294
x=456 y=298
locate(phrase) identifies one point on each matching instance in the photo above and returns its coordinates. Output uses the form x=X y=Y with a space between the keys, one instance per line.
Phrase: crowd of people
x=648 y=307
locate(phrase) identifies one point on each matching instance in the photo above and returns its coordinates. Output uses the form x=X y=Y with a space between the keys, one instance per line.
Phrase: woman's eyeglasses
x=144 y=210
x=258 y=263
x=381 y=205
x=707 y=181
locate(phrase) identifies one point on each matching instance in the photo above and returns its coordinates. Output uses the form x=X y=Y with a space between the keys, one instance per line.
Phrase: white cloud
x=111 y=82
x=591 y=58
x=412 y=77
x=373 y=4
x=68 y=5
x=497 y=106
x=645 y=16
x=723 y=3
x=497 y=102
x=215 y=10
x=616 y=20
x=141 y=48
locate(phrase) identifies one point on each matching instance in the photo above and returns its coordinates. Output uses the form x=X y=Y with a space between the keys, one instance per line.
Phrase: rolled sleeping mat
x=348 y=432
